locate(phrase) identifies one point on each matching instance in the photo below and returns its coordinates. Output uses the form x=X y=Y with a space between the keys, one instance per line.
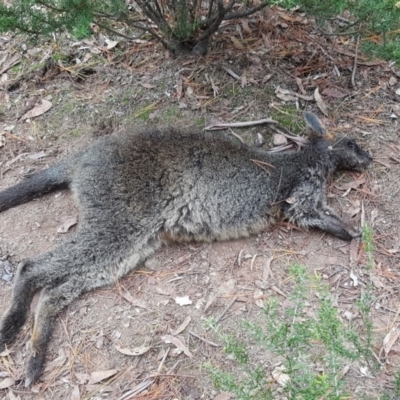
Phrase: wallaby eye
x=351 y=145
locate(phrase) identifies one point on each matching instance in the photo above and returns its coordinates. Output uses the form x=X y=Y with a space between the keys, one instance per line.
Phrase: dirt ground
x=95 y=91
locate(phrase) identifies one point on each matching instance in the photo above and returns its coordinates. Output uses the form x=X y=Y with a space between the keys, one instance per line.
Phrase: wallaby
x=138 y=191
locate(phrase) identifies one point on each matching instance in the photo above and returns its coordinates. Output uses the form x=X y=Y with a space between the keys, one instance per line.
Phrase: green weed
x=309 y=338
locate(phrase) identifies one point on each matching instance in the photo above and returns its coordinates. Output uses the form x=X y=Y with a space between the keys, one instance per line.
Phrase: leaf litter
x=365 y=109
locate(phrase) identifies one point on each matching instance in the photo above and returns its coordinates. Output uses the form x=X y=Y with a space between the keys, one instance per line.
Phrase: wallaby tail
x=46 y=181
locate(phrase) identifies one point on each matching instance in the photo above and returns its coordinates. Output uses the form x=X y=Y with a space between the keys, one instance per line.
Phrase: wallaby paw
x=355 y=231
x=34 y=368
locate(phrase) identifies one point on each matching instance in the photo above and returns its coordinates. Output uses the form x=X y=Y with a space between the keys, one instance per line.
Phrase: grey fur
x=139 y=191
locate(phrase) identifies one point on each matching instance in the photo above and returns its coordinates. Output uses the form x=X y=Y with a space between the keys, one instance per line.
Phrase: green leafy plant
x=180 y=25
x=314 y=350
x=188 y=25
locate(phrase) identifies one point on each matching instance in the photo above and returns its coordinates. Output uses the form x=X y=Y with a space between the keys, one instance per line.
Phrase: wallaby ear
x=317 y=127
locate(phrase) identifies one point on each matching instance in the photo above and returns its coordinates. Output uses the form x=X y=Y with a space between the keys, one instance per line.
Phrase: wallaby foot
x=27 y=282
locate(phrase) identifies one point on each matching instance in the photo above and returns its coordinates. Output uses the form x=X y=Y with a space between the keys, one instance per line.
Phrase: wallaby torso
x=139 y=191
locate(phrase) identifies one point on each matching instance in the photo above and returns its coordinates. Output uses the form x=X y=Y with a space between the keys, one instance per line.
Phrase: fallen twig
x=226 y=309
x=221 y=126
x=204 y=340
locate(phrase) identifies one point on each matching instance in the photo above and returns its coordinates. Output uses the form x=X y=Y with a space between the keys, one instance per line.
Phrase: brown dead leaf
x=111 y=43
x=39 y=109
x=351 y=185
x=148 y=85
x=353 y=251
x=75 y=394
x=12 y=396
x=245 y=26
x=236 y=43
x=175 y=341
x=14 y=60
x=267 y=272
x=136 y=302
x=7 y=382
x=98 y=376
x=67 y=224
x=300 y=85
x=36 y=156
x=225 y=396
x=333 y=92
x=182 y=326
x=279 y=375
x=179 y=89
x=320 y=102
x=289 y=95
x=137 y=351
x=243 y=81
x=390 y=339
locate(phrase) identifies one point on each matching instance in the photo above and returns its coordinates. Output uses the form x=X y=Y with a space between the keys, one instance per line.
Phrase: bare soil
x=138 y=84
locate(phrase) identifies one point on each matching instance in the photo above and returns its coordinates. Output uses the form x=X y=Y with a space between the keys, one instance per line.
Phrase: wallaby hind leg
x=92 y=270
x=52 y=301
x=28 y=280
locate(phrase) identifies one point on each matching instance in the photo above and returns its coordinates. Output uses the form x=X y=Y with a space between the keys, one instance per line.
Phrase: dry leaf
x=351 y=185
x=354 y=278
x=68 y=223
x=267 y=272
x=183 y=301
x=236 y=43
x=14 y=60
x=38 y=110
x=289 y=95
x=285 y=95
x=137 y=351
x=396 y=109
x=279 y=375
x=279 y=140
x=225 y=396
x=148 y=86
x=98 y=376
x=243 y=81
x=332 y=92
x=6 y=383
x=348 y=315
x=392 y=81
x=300 y=85
x=111 y=43
x=182 y=326
x=36 y=156
x=374 y=214
x=175 y=341
x=136 y=302
x=179 y=89
x=12 y=396
x=245 y=26
x=390 y=339
x=320 y=103
x=2 y=140
x=75 y=395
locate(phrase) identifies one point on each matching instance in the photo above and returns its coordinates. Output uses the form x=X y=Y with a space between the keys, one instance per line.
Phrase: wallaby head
x=343 y=151
x=139 y=191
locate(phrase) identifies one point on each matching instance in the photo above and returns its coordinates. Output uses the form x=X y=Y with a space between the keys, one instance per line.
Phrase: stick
x=204 y=340
x=226 y=309
x=221 y=126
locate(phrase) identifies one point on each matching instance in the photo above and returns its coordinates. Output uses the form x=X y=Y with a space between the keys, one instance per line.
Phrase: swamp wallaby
x=139 y=191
